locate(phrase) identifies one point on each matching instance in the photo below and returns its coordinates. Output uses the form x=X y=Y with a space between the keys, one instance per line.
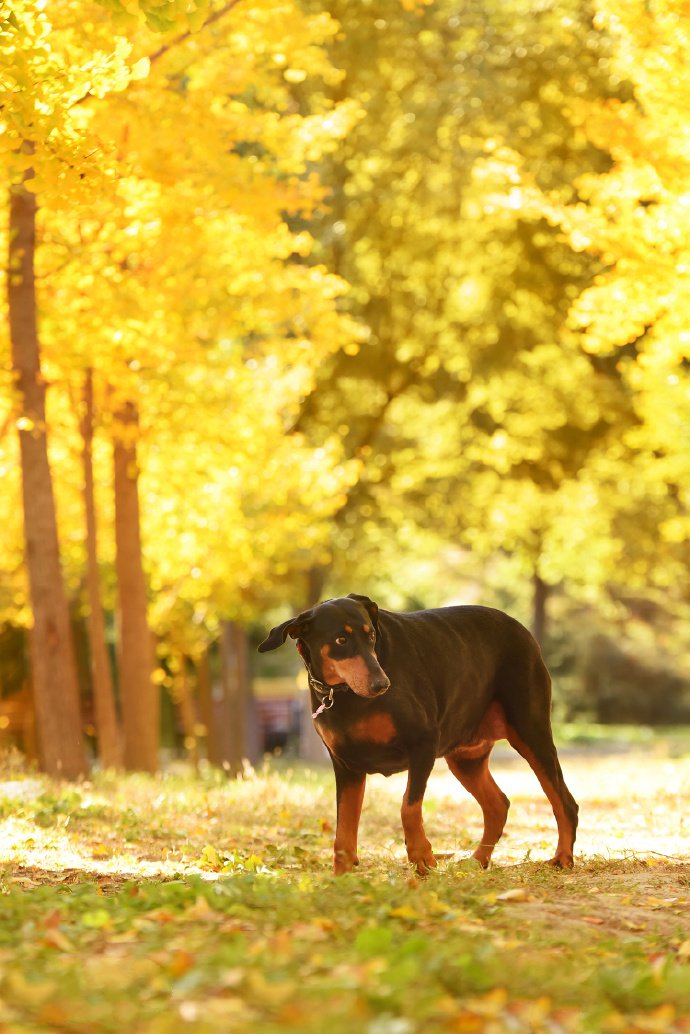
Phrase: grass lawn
x=192 y=904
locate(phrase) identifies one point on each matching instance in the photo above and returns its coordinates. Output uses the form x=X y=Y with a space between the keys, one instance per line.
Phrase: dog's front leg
x=349 y=790
x=422 y=757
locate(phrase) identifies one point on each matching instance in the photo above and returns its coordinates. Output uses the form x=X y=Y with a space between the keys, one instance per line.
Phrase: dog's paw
x=422 y=857
x=483 y=856
x=344 y=861
x=561 y=860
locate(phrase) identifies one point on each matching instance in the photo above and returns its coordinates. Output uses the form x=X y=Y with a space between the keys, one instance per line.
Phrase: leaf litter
x=184 y=903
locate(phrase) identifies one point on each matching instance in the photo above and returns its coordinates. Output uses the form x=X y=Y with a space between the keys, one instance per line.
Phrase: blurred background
x=309 y=298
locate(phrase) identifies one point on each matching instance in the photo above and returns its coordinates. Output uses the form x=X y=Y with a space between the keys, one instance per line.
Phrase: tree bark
x=108 y=730
x=207 y=707
x=233 y=718
x=236 y=720
x=56 y=692
x=139 y=696
x=186 y=707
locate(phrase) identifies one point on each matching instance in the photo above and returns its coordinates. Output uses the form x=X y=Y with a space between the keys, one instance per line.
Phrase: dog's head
x=337 y=640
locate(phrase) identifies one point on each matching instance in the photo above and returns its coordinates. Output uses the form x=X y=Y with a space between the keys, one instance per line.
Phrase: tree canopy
x=393 y=292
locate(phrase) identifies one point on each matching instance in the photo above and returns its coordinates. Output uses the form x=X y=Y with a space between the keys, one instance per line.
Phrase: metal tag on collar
x=325 y=705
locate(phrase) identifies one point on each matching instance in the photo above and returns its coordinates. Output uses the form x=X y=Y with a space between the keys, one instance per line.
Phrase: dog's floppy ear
x=294 y=627
x=371 y=607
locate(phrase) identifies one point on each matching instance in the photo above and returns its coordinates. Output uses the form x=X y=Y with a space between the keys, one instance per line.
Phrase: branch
x=216 y=16
x=182 y=38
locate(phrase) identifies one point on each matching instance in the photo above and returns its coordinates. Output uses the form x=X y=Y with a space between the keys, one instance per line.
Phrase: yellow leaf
x=660 y=1019
x=140 y=69
x=181 y=962
x=115 y=972
x=200 y=910
x=28 y=992
x=270 y=992
x=55 y=939
x=403 y=912
x=516 y=894
x=491 y=1004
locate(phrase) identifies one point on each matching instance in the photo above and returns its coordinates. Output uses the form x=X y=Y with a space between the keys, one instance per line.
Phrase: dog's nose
x=380 y=686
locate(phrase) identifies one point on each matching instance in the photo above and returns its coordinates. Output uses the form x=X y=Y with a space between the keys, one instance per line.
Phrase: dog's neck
x=321 y=689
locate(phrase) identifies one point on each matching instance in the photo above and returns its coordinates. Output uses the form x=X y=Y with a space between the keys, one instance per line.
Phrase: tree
x=54 y=674
x=636 y=217
x=472 y=405
x=179 y=282
x=108 y=729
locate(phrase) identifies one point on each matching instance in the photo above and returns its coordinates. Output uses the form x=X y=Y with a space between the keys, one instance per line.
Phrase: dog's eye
x=340 y=641
x=372 y=637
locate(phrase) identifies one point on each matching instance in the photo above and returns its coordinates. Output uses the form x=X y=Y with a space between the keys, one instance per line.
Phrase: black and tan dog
x=393 y=692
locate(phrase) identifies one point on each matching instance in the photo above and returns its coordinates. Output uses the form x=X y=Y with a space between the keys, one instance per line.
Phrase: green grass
x=189 y=903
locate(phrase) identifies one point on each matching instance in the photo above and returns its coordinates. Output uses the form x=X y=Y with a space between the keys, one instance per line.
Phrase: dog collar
x=320 y=688
x=327 y=693
x=326 y=704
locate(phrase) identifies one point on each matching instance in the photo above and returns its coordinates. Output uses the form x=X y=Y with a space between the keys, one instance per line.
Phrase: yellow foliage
x=637 y=218
x=164 y=167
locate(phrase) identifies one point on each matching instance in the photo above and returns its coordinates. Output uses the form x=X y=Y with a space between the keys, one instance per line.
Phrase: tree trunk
x=139 y=695
x=236 y=720
x=187 y=712
x=233 y=718
x=108 y=731
x=539 y=611
x=56 y=692
x=207 y=707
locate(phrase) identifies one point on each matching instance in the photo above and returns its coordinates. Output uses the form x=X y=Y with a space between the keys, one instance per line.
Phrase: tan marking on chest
x=378 y=728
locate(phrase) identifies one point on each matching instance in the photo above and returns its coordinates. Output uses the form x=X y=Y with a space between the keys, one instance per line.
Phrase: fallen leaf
x=491 y=1004
x=29 y=993
x=516 y=894
x=53 y=938
x=181 y=962
x=403 y=912
x=101 y=851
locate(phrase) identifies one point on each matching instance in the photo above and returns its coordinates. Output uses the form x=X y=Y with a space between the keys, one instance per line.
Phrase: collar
x=324 y=693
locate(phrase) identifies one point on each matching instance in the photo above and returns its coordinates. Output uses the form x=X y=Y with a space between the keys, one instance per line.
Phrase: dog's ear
x=294 y=627
x=371 y=607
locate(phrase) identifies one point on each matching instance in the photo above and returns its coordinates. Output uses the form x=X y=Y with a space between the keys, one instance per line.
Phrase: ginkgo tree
x=158 y=173
x=636 y=217
x=473 y=408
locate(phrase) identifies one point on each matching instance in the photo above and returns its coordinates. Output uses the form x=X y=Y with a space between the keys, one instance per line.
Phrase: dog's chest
x=370 y=743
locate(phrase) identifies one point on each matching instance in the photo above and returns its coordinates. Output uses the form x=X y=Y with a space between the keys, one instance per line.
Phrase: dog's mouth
x=362 y=678
x=375 y=689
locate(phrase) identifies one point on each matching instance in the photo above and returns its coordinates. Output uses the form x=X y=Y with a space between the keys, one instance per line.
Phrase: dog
x=395 y=691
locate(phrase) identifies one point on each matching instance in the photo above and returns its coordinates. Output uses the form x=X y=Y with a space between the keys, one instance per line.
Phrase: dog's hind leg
x=475 y=776
x=528 y=730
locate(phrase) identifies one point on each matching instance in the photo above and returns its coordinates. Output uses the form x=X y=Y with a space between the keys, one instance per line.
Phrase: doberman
x=393 y=692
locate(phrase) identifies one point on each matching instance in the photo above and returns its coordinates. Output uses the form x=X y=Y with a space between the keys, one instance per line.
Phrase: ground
x=190 y=903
